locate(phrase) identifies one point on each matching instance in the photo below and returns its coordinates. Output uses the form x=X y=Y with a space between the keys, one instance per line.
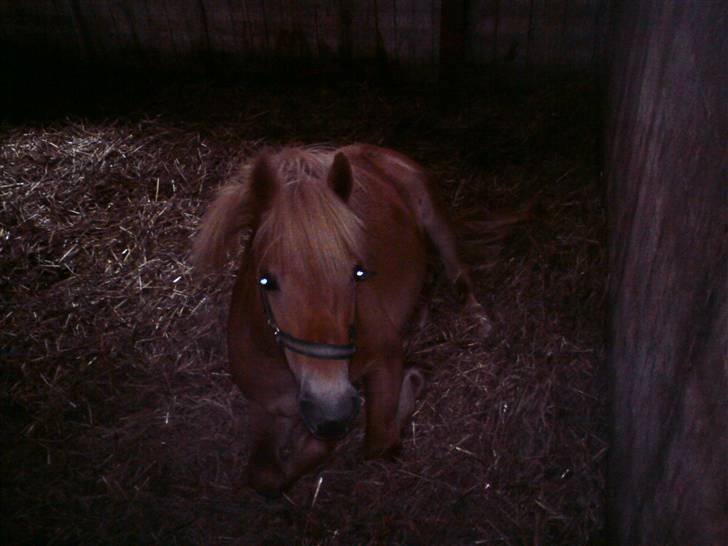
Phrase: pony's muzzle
x=330 y=419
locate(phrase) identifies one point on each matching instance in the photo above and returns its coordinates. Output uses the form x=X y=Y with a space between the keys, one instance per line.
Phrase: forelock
x=309 y=229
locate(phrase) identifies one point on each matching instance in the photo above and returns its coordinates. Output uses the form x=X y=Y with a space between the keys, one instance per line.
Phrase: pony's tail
x=226 y=217
x=482 y=234
x=493 y=226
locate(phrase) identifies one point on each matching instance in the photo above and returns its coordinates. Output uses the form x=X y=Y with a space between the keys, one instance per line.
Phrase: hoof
x=483 y=325
x=481 y=322
x=415 y=380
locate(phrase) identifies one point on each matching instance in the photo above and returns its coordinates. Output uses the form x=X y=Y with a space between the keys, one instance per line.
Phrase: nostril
x=331 y=429
x=307 y=406
x=329 y=421
x=311 y=413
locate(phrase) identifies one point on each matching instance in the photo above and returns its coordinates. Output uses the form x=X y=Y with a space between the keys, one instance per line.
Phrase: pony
x=332 y=270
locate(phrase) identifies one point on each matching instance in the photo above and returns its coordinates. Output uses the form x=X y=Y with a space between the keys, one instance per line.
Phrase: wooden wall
x=668 y=338
x=259 y=33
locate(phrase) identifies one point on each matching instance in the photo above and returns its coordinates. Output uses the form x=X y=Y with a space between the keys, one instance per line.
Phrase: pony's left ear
x=340 y=178
x=238 y=206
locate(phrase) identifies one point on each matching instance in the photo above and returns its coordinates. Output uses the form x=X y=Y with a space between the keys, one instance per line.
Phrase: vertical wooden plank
x=381 y=55
x=565 y=27
x=668 y=288
x=345 y=40
x=125 y=22
x=57 y=33
x=436 y=32
x=397 y=36
x=453 y=32
x=83 y=35
x=203 y=39
x=496 y=28
x=599 y=33
x=529 y=34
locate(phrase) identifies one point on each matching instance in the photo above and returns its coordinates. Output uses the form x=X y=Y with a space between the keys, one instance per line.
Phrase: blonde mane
x=308 y=228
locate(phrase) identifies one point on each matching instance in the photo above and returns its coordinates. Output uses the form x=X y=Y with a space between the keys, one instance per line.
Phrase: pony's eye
x=360 y=273
x=268 y=282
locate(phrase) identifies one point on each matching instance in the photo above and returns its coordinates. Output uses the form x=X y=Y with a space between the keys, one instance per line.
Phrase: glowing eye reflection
x=360 y=273
x=268 y=282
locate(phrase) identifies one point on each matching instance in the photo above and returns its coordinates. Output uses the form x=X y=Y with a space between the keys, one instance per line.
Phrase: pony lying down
x=331 y=272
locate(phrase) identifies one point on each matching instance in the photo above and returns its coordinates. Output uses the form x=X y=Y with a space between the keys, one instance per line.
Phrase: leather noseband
x=324 y=351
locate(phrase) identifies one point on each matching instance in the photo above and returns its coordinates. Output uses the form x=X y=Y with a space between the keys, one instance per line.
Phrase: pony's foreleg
x=391 y=395
x=283 y=450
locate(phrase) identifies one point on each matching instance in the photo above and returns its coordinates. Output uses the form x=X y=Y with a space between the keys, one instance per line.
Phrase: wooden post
x=668 y=289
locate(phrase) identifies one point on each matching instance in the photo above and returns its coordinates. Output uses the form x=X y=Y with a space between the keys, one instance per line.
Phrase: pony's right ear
x=238 y=206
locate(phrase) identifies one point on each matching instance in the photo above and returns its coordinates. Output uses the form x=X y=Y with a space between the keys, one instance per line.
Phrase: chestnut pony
x=331 y=272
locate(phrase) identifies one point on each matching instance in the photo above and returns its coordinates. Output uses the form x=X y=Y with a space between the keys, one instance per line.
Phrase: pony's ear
x=263 y=186
x=340 y=178
x=238 y=206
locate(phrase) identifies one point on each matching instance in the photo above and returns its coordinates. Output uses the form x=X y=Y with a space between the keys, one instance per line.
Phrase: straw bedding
x=120 y=423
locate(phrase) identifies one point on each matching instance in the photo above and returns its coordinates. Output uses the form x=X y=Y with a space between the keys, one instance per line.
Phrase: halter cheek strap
x=324 y=351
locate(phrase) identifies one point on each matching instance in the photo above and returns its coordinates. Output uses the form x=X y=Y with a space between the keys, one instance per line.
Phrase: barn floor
x=120 y=424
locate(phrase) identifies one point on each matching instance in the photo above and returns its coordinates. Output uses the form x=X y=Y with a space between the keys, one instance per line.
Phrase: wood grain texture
x=560 y=32
x=668 y=287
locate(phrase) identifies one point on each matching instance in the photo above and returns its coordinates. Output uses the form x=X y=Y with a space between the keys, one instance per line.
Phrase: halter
x=324 y=351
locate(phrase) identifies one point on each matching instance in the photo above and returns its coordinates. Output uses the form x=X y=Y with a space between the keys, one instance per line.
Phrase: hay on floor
x=120 y=422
